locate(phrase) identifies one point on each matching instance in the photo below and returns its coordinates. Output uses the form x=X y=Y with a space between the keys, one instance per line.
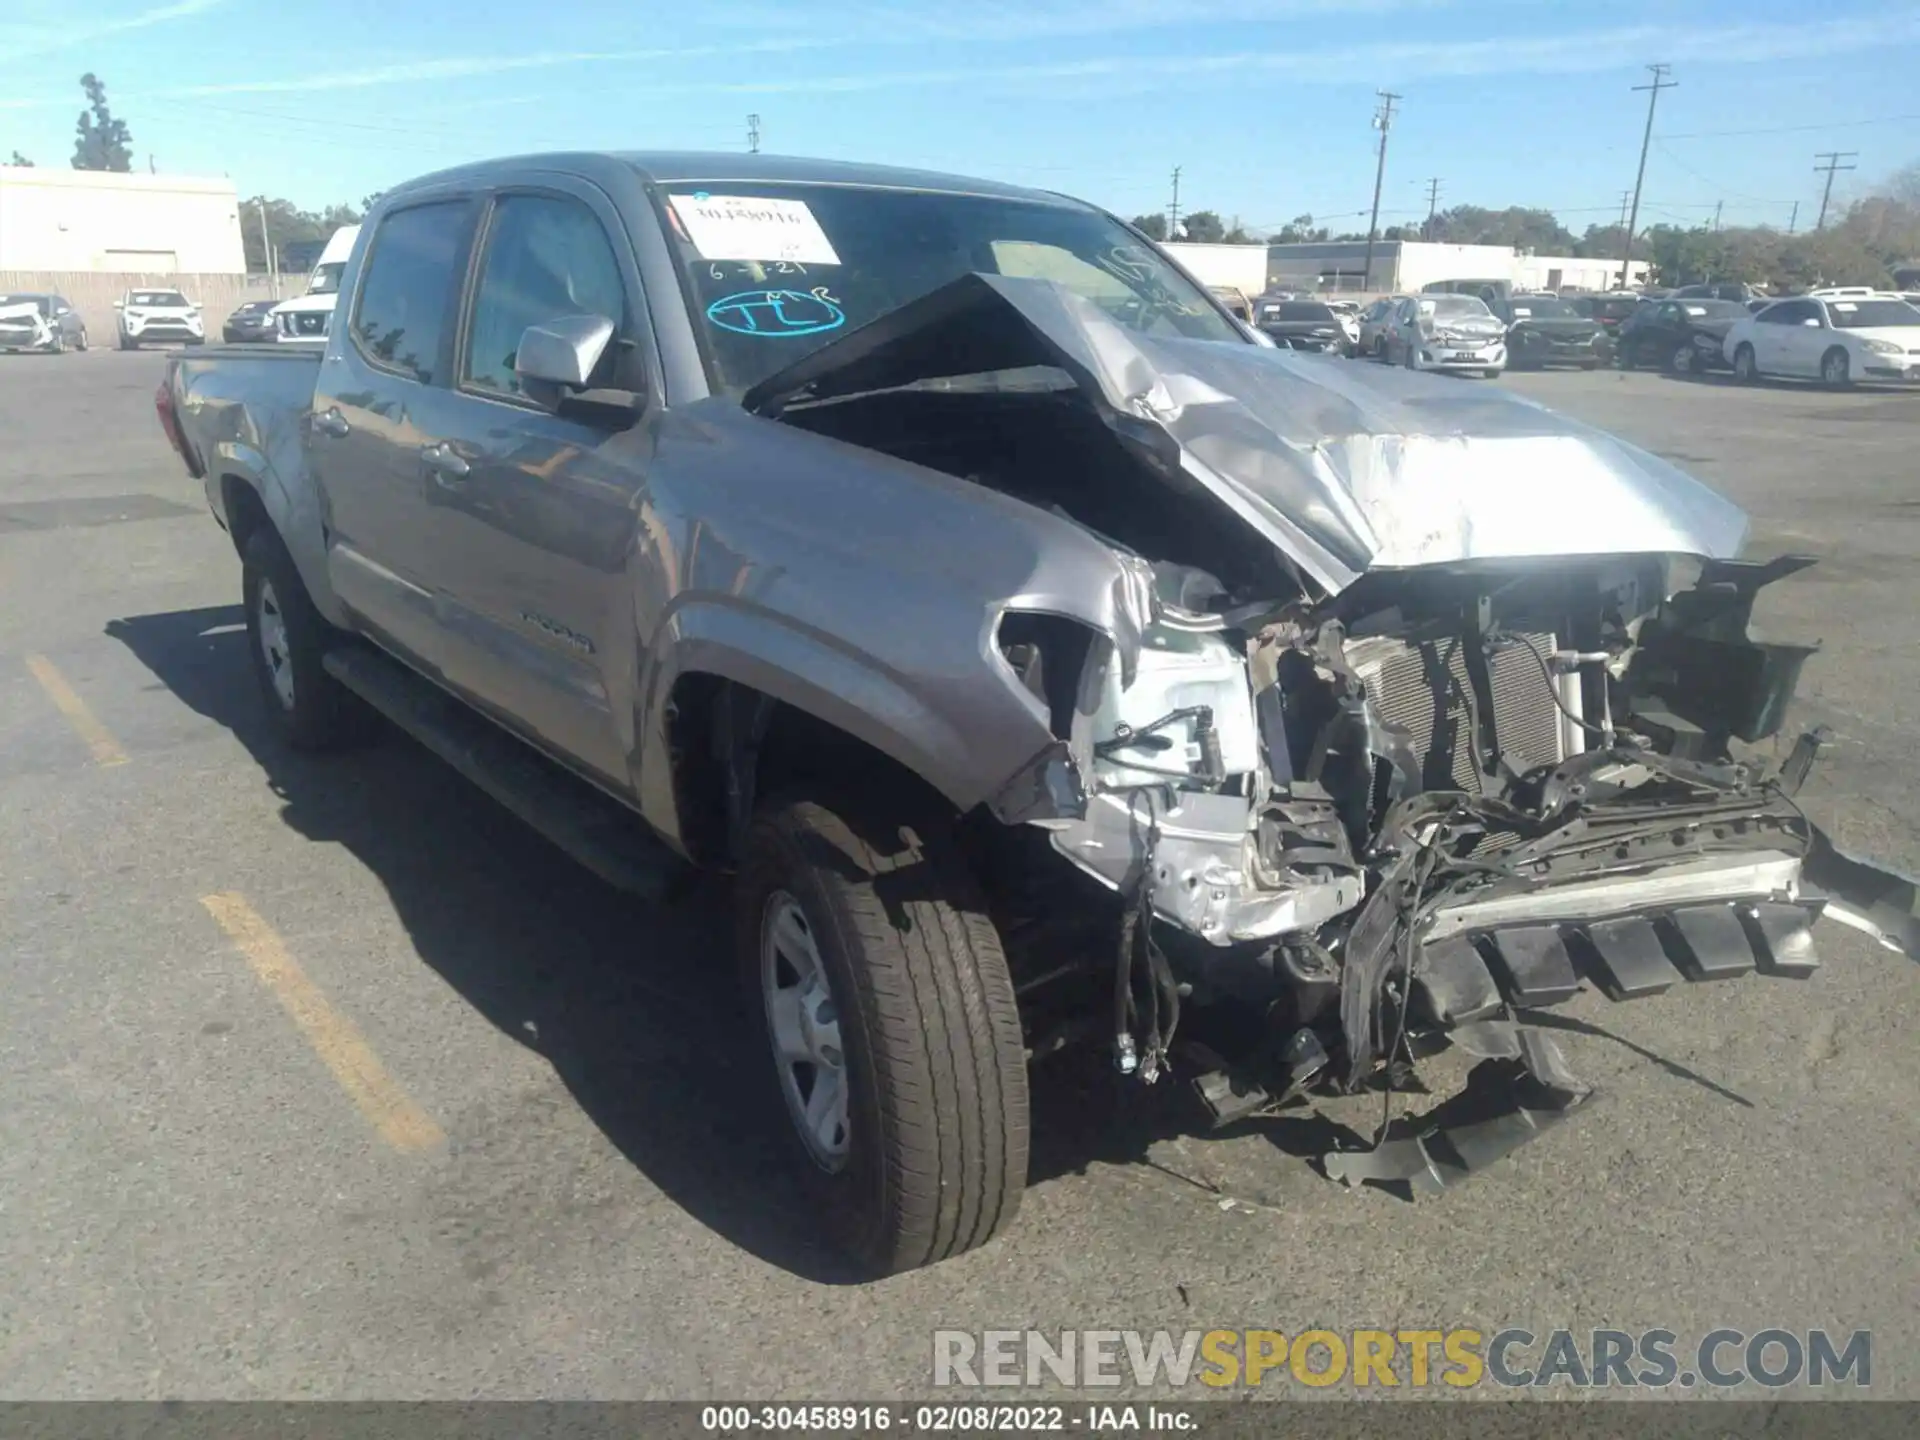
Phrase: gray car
x=38 y=321
x=1043 y=661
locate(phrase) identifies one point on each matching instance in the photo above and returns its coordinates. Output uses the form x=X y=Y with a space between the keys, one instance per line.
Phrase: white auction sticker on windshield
x=752 y=227
x=1844 y=305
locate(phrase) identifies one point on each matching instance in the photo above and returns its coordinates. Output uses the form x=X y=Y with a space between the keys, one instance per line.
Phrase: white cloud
x=58 y=31
x=1623 y=48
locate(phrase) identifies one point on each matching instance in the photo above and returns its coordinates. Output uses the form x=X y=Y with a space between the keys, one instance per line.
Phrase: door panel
x=380 y=402
x=533 y=540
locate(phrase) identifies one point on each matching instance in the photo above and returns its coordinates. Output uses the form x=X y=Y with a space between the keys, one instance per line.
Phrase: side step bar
x=593 y=828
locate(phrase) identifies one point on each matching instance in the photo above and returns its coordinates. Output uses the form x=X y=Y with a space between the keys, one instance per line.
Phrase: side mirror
x=119 y=304
x=556 y=360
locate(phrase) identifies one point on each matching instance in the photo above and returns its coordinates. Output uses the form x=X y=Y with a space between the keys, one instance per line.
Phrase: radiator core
x=1422 y=688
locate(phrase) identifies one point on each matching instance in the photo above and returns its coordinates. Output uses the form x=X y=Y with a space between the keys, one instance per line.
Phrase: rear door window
x=400 y=316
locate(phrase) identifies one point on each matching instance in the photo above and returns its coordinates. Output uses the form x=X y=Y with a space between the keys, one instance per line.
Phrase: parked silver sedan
x=1447 y=332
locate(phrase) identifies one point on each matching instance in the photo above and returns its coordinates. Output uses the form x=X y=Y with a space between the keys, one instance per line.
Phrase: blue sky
x=1264 y=104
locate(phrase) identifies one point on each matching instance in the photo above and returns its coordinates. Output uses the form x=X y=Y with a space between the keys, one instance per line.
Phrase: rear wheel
x=1745 y=369
x=58 y=346
x=1680 y=362
x=288 y=639
x=887 y=1008
x=1836 y=370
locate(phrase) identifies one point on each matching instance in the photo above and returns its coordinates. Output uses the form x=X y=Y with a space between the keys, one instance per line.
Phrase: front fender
x=965 y=736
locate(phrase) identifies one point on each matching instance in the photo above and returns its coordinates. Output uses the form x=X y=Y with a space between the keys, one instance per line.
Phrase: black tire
x=58 y=346
x=320 y=714
x=126 y=344
x=81 y=343
x=1746 y=368
x=1836 y=377
x=1680 y=359
x=935 y=1064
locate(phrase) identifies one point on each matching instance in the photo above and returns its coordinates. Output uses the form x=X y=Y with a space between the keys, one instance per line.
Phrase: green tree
x=1203 y=227
x=288 y=224
x=1297 y=231
x=20 y=160
x=101 y=142
x=1153 y=226
x=1517 y=225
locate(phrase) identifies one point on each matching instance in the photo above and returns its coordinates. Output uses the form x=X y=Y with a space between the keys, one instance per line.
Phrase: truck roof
x=670 y=167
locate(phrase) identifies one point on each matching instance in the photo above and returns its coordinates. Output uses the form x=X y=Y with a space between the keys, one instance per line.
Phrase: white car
x=305 y=319
x=1844 y=292
x=1447 y=332
x=1347 y=312
x=1836 y=341
x=158 y=315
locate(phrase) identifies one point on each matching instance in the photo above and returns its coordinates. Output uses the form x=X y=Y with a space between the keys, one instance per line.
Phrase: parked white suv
x=158 y=315
x=1837 y=341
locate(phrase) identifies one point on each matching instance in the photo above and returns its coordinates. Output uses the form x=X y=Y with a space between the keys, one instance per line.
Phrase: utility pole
x=1383 y=122
x=1716 y=213
x=753 y=134
x=266 y=244
x=1626 y=199
x=1659 y=83
x=1795 y=220
x=1173 y=210
x=1833 y=159
x=1433 y=204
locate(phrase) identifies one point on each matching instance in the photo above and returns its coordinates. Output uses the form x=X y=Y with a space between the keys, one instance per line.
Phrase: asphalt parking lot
x=327 y=1079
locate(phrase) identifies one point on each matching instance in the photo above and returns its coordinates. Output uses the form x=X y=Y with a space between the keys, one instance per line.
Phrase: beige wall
x=93 y=294
x=86 y=220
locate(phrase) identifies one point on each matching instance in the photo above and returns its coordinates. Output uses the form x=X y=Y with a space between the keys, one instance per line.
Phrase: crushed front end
x=1411 y=814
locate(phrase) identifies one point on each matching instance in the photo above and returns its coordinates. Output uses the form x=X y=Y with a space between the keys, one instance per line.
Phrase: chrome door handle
x=331 y=422
x=445 y=465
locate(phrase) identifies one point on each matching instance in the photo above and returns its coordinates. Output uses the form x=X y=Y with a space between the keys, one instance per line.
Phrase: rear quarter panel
x=244 y=415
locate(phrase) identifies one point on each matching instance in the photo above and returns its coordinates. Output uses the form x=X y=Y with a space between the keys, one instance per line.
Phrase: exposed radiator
x=1422 y=689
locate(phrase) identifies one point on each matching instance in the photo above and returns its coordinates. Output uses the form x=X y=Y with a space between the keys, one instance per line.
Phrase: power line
x=1659 y=83
x=1789 y=129
x=1833 y=159
x=1383 y=122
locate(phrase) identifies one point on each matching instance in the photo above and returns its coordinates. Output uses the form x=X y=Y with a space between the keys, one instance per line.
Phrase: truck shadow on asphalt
x=635 y=1008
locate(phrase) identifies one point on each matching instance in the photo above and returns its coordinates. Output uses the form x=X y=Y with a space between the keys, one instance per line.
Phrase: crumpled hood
x=24 y=310
x=1345 y=468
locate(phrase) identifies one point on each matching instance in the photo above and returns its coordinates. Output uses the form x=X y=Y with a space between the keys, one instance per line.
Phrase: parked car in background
x=1487 y=290
x=253 y=321
x=1447 y=332
x=1372 y=336
x=1302 y=325
x=148 y=315
x=1677 y=335
x=1608 y=311
x=306 y=318
x=1718 y=290
x=1545 y=330
x=39 y=321
x=1348 y=314
x=1835 y=341
x=1843 y=292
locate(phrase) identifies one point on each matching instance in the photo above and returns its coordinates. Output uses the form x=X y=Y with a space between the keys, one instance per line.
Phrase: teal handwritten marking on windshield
x=776 y=313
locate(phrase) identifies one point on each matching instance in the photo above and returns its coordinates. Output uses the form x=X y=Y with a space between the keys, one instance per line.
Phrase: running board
x=596 y=830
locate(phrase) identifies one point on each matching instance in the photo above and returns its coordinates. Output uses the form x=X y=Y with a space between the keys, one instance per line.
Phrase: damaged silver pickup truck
x=1045 y=657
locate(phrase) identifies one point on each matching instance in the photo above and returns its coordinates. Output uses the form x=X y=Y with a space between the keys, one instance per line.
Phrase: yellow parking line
x=106 y=750
x=334 y=1038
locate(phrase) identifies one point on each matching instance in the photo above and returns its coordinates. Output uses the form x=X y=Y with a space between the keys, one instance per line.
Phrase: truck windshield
x=775 y=271
x=326 y=278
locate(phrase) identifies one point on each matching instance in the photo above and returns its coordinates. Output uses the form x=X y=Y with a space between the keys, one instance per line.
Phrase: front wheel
x=1680 y=362
x=1836 y=371
x=1745 y=369
x=889 y=1014
x=58 y=345
x=80 y=341
x=288 y=638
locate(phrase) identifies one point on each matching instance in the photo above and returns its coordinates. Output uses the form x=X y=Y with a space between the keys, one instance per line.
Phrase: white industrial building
x=93 y=221
x=1238 y=267
x=1407 y=265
